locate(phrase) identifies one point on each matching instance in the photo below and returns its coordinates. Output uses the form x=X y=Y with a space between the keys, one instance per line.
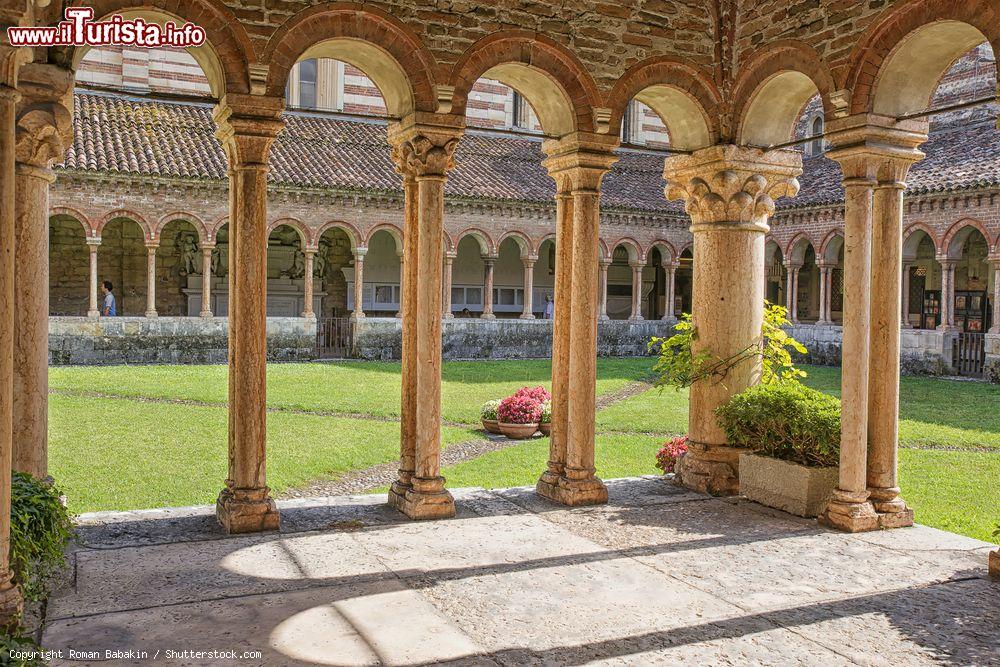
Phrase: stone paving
x=658 y=576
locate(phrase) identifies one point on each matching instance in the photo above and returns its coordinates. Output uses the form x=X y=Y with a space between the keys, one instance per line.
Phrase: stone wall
x=379 y=338
x=992 y=370
x=921 y=351
x=168 y=340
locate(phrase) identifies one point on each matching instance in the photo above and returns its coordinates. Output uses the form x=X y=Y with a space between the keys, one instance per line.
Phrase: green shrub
x=40 y=529
x=17 y=643
x=787 y=421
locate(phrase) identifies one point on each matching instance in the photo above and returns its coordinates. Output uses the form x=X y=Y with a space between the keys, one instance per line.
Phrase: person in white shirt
x=549 y=307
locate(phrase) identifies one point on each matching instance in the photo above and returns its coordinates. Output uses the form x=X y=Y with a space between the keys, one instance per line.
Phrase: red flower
x=519 y=410
x=670 y=453
x=537 y=394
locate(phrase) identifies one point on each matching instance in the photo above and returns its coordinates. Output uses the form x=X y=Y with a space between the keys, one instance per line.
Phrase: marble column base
x=424 y=499
x=526 y=316
x=11 y=602
x=711 y=469
x=487 y=316
x=572 y=492
x=246 y=511
x=891 y=509
x=849 y=513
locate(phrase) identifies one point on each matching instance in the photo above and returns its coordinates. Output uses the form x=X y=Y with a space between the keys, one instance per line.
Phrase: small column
x=947 y=293
x=307 y=287
x=604 y=264
x=248 y=126
x=401 y=255
x=636 y=314
x=151 y=279
x=206 y=280
x=359 y=283
x=792 y=296
x=789 y=289
x=823 y=316
x=408 y=356
x=423 y=148
x=488 y=263
x=995 y=264
x=529 y=280
x=11 y=602
x=905 y=297
x=93 y=243
x=729 y=193
x=670 y=272
x=449 y=262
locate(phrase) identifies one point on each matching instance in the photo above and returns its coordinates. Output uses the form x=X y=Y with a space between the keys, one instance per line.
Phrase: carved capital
x=578 y=161
x=732 y=185
x=44 y=114
x=875 y=149
x=248 y=126
x=423 y=144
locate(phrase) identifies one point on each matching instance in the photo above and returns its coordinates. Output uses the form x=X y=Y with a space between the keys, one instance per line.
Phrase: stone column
x=995 y=264
x=548 y=483
x=904 y=313
x=424 y=146
x=947 y=293
x=151 y=279
x=883 y=376
x=449 y=262
x=792 y=296
x=604 y=264
x=729 y=193
x=206 y=280
x=408 y=303
x=44 y=129
x=307 y=287
x=582 y=160
x=359 y=283
x=92 y=245
x=670 y=271
x=401 y=256
x=867 y=155
x=789 y=289
x=10 y=596
x=824 y=317
x=248 y=126
x=488 y=263
x=528 y=283
x=636 y=313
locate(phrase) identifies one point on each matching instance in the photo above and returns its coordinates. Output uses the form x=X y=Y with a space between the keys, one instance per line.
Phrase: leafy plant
x=40 y=529
x=519 y=410
x=670 y=453
x=489 y=410
x=17 y=643
x=546 y=415
x=787 y=421
x=679 y=366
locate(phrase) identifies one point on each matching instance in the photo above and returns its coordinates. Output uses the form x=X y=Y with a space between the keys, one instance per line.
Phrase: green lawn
x=117 y=452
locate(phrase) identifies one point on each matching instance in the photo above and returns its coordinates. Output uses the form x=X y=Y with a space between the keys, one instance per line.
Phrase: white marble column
x=151 y=279
x=529 y=280
x=307 y=287
x=488 y=263
x=824 y=317
x=947 y=294
x=792 y=296
x=359 y=283
x=670 y=272
x=636 y=313
x=93 y=309
x=604 y=264
x=449 y=265
x=206 y=280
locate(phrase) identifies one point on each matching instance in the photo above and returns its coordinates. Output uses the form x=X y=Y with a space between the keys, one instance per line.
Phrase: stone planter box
x=518 y=431
x=789 y=487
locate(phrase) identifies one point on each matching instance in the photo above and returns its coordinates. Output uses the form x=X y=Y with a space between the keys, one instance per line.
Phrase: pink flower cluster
x=519 y=410
x=537 y=394
x=670 y=453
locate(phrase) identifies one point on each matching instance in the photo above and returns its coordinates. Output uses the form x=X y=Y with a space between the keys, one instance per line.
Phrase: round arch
x=896 y=65
x=395 y=232
x=353 y=235
x=297 y=225
x=225 y=56
x=666 y=250
x=204 y=235
x=147 y=229
x=67 y=212
x=773 y=88
x=831 y=246
x=378 y=44
x=958 y=233
x=682 y=96
x=796 y=249
x=549 y=76
x=486 y=245
x=635 y=252
x=521 y=239
x=911 y=238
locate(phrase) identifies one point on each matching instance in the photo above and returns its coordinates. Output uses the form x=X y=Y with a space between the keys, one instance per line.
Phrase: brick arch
x=690 y=98
x=295 y=224
x=662 y=244
x=949 y=237
x=523 y=242
x=770 y=240
x=897 y=23
x=486 y=245
x=789 y=250
x=360 y=24
x=927 y=229
x=686 y=247
x=395 y=232
x=773 y=87
x=89 y=230
x=217 y=226
x=204 y=235
x=825 y=245
x=353 y=234
x=539 y=54
x=229 y=42
x=449 y=244
x=636 y=252
x=605 y=253
x=118 y=214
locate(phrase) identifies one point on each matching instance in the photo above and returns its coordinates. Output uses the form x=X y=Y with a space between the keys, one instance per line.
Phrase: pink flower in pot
x=518 y=416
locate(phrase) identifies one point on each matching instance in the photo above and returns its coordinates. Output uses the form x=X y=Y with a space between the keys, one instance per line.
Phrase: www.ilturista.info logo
x=80 y=29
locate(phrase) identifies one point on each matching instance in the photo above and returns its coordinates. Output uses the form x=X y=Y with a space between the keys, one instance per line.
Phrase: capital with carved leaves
x=248 y=126
x=44 y=115
x=423 y=144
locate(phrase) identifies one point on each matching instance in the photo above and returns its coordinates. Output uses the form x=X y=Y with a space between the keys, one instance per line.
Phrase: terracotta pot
x=518 y=431
x=491 y=425
x=545 y=427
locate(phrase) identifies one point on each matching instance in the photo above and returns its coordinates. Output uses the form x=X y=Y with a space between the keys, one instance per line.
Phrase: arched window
x=816 y=146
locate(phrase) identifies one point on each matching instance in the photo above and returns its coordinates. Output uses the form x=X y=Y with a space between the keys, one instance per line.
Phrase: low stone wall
x=992 y=368
x=168 y=340
x=380 y=338
x=921 y=351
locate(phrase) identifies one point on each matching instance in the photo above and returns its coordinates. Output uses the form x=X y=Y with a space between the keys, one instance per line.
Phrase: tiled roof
x=130 y=135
